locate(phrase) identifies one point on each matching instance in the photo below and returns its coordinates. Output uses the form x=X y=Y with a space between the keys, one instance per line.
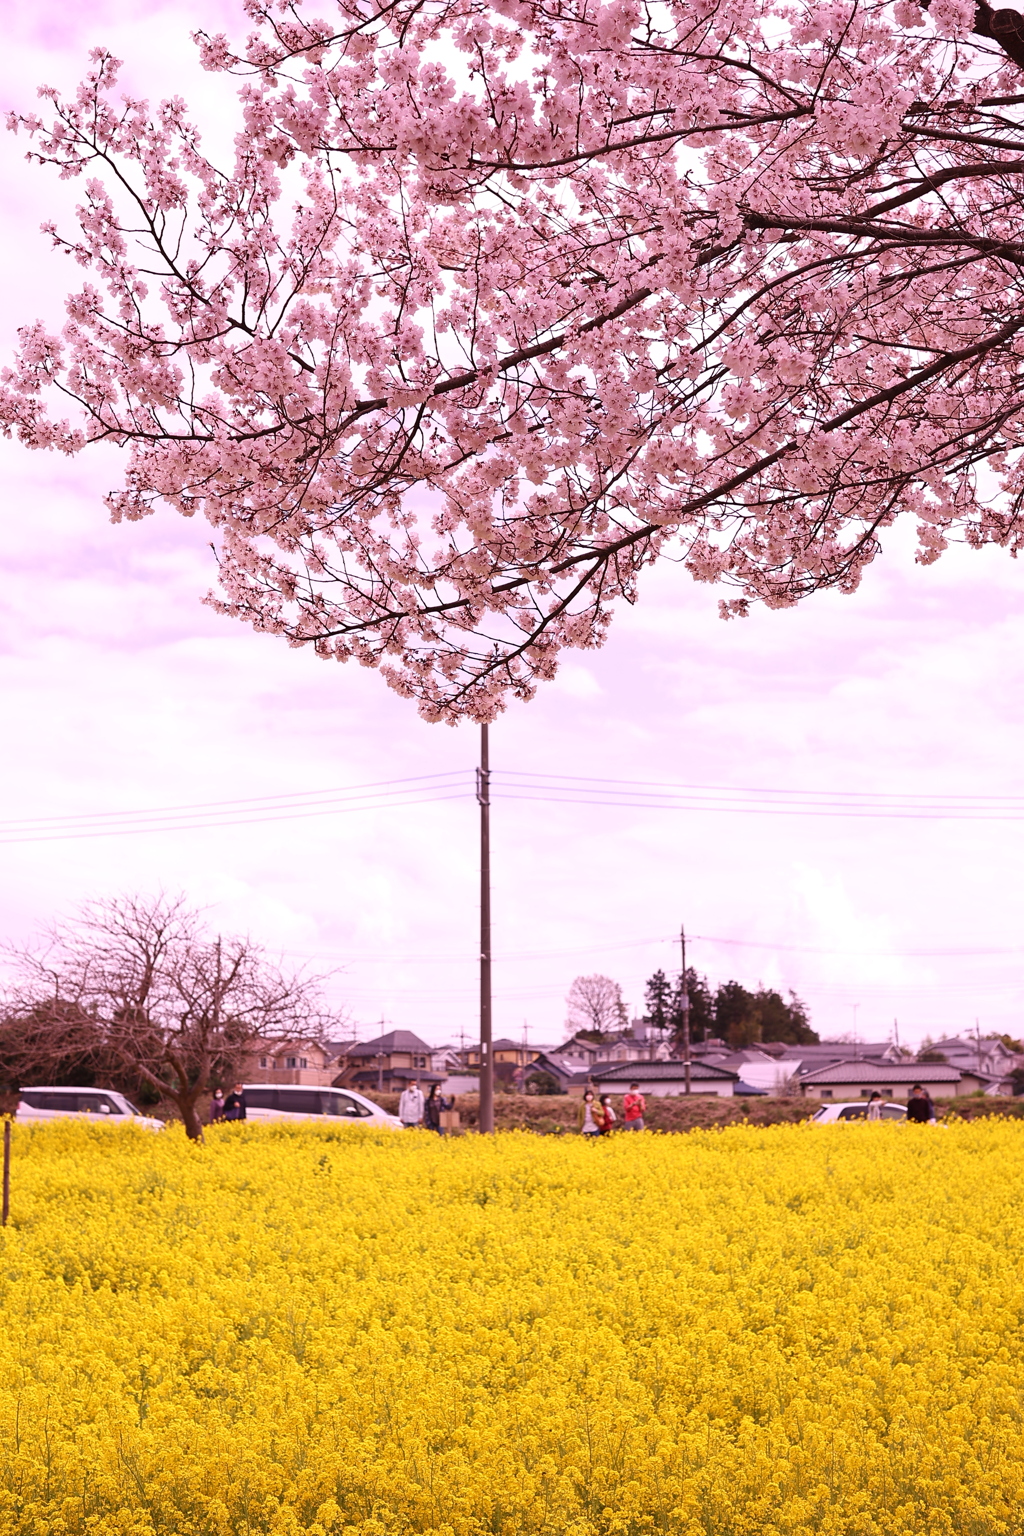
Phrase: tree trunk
x=190 y=1115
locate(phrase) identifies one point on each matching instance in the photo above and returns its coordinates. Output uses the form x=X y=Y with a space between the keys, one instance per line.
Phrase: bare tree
x=140 y=988
x=595 y=1003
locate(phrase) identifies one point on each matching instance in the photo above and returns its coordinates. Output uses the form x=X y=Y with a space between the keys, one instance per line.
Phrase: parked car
x=102 y=1104
x=857 y=1110
x=340 y=1106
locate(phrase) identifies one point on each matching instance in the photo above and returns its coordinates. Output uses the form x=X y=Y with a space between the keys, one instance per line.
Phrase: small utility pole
x=6 y=1210
x=684 y=1009
x=483 y=795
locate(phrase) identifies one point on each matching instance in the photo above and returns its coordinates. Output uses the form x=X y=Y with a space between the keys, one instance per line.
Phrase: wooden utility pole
x=483 y=795
x=684 y=1010
x=6 y=1210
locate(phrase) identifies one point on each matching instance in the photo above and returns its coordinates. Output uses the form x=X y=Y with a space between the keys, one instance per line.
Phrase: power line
x=876 y=954
x=272 y=813
x=540 y=791
x=249 y=802
x=553 y=789
x=466 y=958
x=859 y=794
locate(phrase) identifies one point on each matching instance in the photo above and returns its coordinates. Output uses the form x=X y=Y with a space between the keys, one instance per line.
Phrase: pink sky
x=120 y=692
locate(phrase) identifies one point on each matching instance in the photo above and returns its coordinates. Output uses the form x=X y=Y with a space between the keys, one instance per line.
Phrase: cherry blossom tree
x=501 y=301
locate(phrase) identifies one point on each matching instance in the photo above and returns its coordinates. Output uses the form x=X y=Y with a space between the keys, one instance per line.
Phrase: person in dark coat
x=234 y=1104
x=217 y=1106
x=432 y=1109
x=919 y=1107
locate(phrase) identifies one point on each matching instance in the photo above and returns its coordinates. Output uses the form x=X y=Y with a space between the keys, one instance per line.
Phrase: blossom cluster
x=353 y=1333
x=498 y=302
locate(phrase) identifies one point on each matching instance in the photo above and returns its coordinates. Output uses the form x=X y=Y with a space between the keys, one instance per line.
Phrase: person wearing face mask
x=588 y=1122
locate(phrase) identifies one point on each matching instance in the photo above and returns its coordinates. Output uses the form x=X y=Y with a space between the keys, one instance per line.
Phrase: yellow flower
x=770 y=1332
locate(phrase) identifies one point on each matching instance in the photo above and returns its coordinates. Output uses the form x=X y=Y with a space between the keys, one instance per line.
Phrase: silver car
x=331 y=1106
x=100 y=1104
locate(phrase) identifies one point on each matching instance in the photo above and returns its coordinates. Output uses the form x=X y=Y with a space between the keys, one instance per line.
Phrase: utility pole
x=5 y=1207
x=684 y=1009
x=483 y=795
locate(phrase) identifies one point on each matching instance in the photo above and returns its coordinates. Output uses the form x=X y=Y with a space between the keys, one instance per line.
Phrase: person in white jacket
x=410 y=1105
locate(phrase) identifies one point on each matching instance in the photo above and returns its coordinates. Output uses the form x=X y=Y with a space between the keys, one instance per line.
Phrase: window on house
x=826 y=1093
x=263 y=1063
x=296 y=1063
x=421 y=1061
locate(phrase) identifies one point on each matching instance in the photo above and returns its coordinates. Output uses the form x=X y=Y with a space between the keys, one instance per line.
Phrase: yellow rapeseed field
x=289 y=1329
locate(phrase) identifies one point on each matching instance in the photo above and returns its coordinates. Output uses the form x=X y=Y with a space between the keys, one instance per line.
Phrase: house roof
x=370 y=1075
x=986 y=1047
x=508 y=1045
x=836 y=1050
x=546 y=1061
x=884 y=1072
x=573 y=1047
x=661 y=1072
x=384 y=1045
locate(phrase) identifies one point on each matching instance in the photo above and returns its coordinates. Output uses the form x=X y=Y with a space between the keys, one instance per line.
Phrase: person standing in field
x=432 y=1110
x=605 y=1115
x=875 y=1107
x=919 y=1108
x=634 y=1107
x=217 y=1106
x=410 y=1105
x=234 y=1104
x=587 y=1122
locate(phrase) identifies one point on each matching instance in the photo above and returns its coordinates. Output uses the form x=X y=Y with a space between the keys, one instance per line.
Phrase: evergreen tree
x=658 y=1001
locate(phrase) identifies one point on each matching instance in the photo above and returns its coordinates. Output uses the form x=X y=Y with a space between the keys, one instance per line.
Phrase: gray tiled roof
x=836 y=1050
x=660 y=1072
x=394 y=1040
x=884 y=1072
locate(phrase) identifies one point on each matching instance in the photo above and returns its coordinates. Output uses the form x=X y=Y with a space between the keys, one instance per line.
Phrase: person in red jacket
x=634 y=1108
x=605 y=1115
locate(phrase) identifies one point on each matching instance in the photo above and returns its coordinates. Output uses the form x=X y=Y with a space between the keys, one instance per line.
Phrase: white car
x=102 y=1104
x=332 y=1106
x=828 y=1114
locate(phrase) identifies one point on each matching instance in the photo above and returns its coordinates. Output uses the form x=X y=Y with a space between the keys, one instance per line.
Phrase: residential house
x=637 y=1043
x=387 y=1063
x=664 y=1079
x=509 y=1057
x=860 y=1079
x=547 y=1067
x=758 y=1071
x=774 y=1067
x=291 y=1061
x=991 y=1059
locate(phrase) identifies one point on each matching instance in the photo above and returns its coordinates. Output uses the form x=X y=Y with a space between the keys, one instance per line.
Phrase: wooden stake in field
x=7 y=1175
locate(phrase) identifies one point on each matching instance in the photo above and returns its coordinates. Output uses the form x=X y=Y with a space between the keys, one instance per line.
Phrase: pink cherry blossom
x=499 y=302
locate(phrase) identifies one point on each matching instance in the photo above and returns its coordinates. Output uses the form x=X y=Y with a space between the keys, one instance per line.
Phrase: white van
x=101 y=1104
x=331 y=1105
x=828 y=1114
